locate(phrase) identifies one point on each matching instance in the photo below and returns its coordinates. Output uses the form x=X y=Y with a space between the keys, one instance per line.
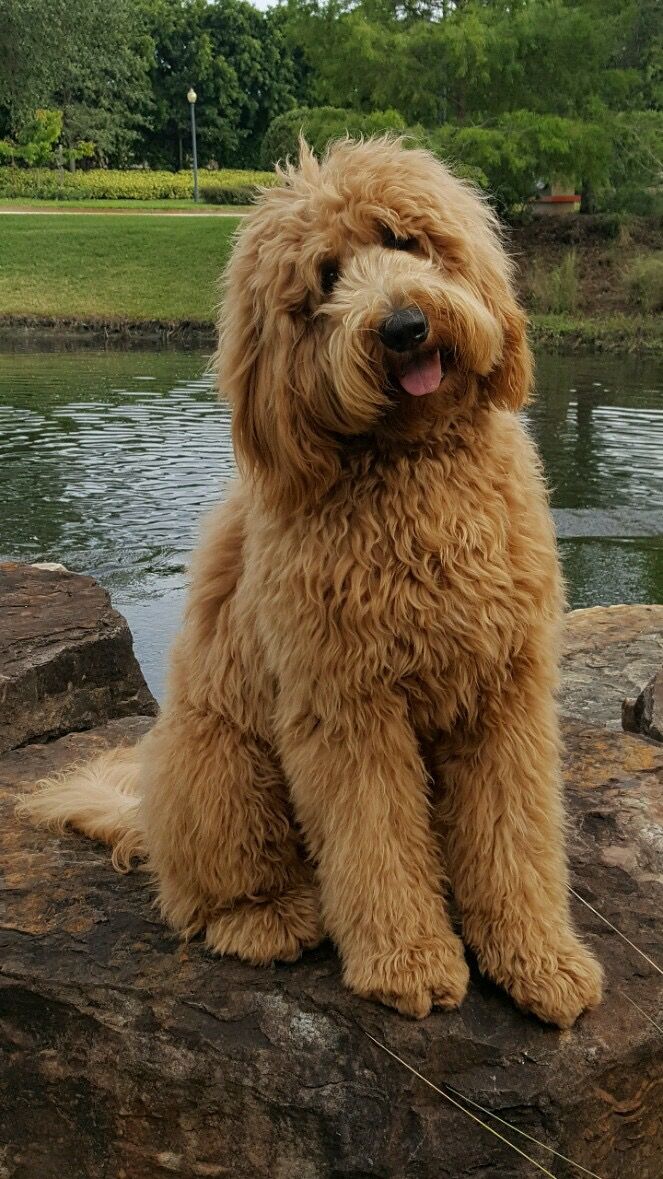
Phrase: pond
x=108 y=459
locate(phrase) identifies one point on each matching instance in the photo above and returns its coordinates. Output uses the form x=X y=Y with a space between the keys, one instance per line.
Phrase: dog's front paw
x=557 y=984
x=413 y=979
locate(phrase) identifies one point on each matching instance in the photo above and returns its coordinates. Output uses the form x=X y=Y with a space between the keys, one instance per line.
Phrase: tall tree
x=88 y=58
x=239 y=63
x=519 y=90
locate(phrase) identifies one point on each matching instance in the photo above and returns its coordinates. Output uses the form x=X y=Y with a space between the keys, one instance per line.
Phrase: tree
x=104 y=90
x=36 y=142
x=237 y=59
x=319 y=126
x=87 y=58
x=523 y=148
x=516 y=90
x=31 y=57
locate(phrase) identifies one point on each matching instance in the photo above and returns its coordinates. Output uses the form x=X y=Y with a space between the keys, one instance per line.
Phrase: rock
x=645 y=713
x=609 y=652
x=129 y=1056
x=66 y=657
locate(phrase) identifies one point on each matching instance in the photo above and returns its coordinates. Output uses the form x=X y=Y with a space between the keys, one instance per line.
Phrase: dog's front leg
x=501 y=813
x=360 y=792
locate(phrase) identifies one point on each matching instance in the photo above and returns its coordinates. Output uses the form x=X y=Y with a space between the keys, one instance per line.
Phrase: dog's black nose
x=403 y=330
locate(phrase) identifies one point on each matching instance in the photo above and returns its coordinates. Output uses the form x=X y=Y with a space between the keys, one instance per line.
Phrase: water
x=108 y=460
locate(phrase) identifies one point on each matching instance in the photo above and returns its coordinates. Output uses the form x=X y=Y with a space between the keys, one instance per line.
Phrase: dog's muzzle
x=417 y=370
x=404 y=330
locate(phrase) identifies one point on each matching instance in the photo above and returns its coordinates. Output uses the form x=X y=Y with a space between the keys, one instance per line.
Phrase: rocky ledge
x=66 y=656
x=128 y=1056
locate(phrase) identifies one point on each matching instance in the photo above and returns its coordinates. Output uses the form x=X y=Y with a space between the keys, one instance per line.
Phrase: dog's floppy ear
x=267 y=370
x=241 y=366
x=510 y=382
x=238 y=351
x=467 y=236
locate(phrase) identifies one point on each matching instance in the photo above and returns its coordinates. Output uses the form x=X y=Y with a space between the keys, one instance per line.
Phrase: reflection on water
x=108 y=459
x=598 y=422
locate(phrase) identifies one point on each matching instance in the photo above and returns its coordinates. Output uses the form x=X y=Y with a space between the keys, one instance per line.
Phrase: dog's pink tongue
x=423 y=375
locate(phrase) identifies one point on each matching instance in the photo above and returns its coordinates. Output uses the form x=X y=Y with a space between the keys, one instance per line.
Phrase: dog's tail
x=101 y=798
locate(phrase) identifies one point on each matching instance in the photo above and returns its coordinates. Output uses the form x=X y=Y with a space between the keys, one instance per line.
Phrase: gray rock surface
x=128 y=1056
x=66 y=656
x=645 y=713
x=609 y=652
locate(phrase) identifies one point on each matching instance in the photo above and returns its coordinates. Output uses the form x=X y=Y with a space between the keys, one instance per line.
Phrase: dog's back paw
x=263 y=931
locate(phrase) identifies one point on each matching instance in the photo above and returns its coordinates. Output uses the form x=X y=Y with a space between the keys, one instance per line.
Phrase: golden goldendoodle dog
x=361 y=704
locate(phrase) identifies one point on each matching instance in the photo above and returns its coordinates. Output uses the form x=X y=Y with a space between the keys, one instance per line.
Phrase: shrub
x=521 y=147
x=608 y=226
x=556 y=289
x=105 y=184
x=238 y=194
x=638 y=201
x=36 y=142
x=320 y=125
x=644 y=280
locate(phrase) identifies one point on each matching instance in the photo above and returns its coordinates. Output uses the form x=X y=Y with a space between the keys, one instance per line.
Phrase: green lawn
x=604 y=333
x=123 y=268
x=135 y=268
x=84 y=204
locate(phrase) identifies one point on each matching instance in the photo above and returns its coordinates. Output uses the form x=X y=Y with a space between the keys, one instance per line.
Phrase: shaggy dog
x=361 y=702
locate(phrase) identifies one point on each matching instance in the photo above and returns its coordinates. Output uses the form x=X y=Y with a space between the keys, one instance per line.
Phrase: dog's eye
x=329 y=276
x=392 y=242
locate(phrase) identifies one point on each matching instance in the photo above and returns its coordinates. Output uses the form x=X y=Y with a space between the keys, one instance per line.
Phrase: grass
x=112 y=268
x=645 y=282
x=133 y=270
x=83 y=204
x=606 y=333
x=555 y=290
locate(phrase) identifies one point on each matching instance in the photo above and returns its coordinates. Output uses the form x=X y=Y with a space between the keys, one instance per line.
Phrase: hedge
x=237 y=194
x=320 y=125
x=105 y=184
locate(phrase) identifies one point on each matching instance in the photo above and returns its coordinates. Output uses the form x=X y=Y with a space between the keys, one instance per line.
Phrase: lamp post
x=192 y=96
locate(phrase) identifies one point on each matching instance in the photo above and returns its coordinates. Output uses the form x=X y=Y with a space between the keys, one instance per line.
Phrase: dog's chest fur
x=422 y=574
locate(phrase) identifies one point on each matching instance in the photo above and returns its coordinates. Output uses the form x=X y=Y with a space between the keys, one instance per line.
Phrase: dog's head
x=366 y=294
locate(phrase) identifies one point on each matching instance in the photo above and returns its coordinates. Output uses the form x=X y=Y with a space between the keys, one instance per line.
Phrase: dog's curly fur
x=361 y=702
